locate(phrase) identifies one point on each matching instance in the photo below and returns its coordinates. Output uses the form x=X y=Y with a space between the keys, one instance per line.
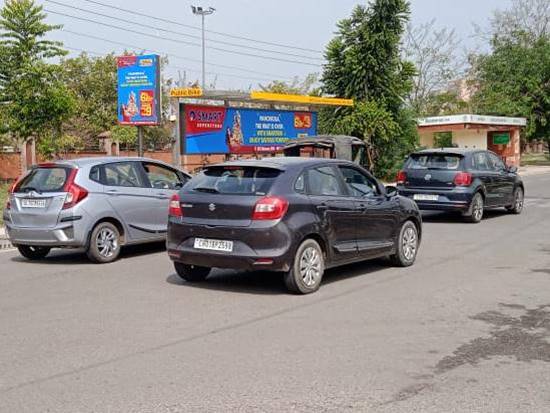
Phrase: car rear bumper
x=456 y=200
x=60 y=236
x=256 y=247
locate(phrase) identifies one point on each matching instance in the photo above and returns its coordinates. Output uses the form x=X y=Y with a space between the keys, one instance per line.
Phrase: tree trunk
x=22 y=146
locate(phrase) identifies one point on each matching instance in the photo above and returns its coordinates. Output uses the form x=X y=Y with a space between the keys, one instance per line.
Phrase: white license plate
x=33 y=203
x=213 y=244
x=425 y=197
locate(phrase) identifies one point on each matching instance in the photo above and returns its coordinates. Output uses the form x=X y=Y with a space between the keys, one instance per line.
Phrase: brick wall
x=10 y=162
x=10 y=166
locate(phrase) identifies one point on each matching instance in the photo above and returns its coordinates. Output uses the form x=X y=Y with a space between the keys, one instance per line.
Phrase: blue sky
x=300 y=24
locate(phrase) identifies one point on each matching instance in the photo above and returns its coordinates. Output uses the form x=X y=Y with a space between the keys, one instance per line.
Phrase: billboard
x=213 y=129
x=138 y=90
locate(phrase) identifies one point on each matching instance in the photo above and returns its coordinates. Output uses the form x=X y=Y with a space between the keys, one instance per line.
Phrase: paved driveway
x=466 y=329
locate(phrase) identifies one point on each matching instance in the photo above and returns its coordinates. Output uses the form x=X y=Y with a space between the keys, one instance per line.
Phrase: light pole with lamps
x=200 y=11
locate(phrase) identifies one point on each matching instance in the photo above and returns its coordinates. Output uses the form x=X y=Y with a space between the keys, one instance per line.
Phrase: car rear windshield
x=234 y=180
x=443 y=161
x=51 y=179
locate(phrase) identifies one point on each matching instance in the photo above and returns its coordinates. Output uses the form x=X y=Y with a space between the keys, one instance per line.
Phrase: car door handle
x=361 y=207
x=112 y=191
x=322 y=207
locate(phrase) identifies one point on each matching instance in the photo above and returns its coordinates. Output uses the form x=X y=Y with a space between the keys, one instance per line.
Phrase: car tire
x=407 y=245
x=307 y=270
x=475 y=211
x=191 y=273
x=104 y=243
x=33 y=252
x=517 y=206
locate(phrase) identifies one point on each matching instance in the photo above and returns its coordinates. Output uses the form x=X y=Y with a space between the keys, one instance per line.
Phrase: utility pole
x=200 y=11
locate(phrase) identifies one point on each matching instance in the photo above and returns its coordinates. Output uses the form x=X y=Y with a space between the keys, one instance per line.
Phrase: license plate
x=213 y=244
x=33 y=203
x=425 y=197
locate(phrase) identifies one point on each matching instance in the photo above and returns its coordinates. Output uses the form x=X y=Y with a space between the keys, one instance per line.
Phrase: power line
x=175 y=67
x=144 y=25
x=181 y=41
x=198 y=28
x=135 y=47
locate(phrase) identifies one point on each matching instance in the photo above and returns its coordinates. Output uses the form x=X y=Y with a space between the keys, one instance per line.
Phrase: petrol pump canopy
x=259 y=97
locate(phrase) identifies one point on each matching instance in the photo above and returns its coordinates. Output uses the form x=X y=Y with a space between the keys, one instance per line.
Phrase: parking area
x=465 y=329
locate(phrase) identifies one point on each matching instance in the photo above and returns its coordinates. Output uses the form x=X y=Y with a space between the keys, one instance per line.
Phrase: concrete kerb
x=4 y=241
x=529 y=170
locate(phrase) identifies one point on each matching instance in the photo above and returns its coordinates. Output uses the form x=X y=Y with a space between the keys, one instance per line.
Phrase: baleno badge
x=212 y=207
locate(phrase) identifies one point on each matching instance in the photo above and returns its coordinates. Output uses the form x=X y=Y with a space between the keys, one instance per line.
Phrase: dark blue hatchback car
x=464 y=180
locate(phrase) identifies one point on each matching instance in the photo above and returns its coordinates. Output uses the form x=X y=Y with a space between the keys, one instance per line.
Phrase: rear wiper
x=28 y=189
x=206 y=189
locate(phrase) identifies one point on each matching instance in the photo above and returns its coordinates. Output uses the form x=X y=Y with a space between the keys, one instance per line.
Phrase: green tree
x=34 y=99
x=514 y=80
x=364 y=63
x=296 y=86
x=92 y=81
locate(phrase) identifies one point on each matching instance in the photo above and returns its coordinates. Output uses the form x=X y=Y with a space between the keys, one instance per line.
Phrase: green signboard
x=502 y=138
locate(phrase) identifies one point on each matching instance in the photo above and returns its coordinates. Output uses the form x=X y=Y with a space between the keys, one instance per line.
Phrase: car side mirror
x=512 y=169
x=391 y=191
x=178 y=185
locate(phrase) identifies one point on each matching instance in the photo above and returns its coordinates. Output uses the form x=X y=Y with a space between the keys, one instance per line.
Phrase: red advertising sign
x=203 y=119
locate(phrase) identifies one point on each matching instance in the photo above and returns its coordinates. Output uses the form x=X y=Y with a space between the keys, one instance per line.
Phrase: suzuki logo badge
x=428 y=177
x=212 y=207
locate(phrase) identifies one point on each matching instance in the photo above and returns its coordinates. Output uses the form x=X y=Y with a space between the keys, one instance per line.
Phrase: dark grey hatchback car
x=297 y=216
x=461 y=179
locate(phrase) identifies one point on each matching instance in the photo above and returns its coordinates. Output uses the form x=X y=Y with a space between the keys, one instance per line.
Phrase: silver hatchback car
x=98 y=204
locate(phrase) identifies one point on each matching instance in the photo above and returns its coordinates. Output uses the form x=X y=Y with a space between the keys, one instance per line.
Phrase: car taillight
x=463 y=179
x=270 y=207
x=75 y=193
x=11 y=190
x=401 y=177
x=174 y=208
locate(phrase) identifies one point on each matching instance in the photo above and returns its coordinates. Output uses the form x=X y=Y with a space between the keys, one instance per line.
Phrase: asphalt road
x=466 y=329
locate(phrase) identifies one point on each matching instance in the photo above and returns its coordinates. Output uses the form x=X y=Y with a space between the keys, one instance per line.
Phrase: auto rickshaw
x=344 y=147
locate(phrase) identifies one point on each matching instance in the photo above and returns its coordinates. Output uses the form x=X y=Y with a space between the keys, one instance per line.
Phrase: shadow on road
x=456 y=217
x=271 y=283
x=78 y=256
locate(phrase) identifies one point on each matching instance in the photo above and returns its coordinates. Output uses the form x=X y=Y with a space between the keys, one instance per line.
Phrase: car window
x=358 y=184
x=161 y=177
x=235 y=180
x=433 y=161
x=121 y=174
x=324 y=181
x=300 y=184
x=495 y=162
x=44 y=180
x=481 y=162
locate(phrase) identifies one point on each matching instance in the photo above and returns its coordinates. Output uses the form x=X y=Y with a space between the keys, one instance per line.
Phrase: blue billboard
x=213 y=129
x=138 y=90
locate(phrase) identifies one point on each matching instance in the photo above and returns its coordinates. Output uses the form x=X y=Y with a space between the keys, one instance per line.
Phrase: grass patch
x=3 y=198
x=535 y=159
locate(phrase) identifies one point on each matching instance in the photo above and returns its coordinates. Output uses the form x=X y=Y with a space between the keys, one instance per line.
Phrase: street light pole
x=203 y=12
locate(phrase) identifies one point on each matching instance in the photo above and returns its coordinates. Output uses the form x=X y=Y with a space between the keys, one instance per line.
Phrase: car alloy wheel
x=310 y=266
x=409 y=243
x=306 y=273
x=477 y=208
x=518 y=201
x=107 y=242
